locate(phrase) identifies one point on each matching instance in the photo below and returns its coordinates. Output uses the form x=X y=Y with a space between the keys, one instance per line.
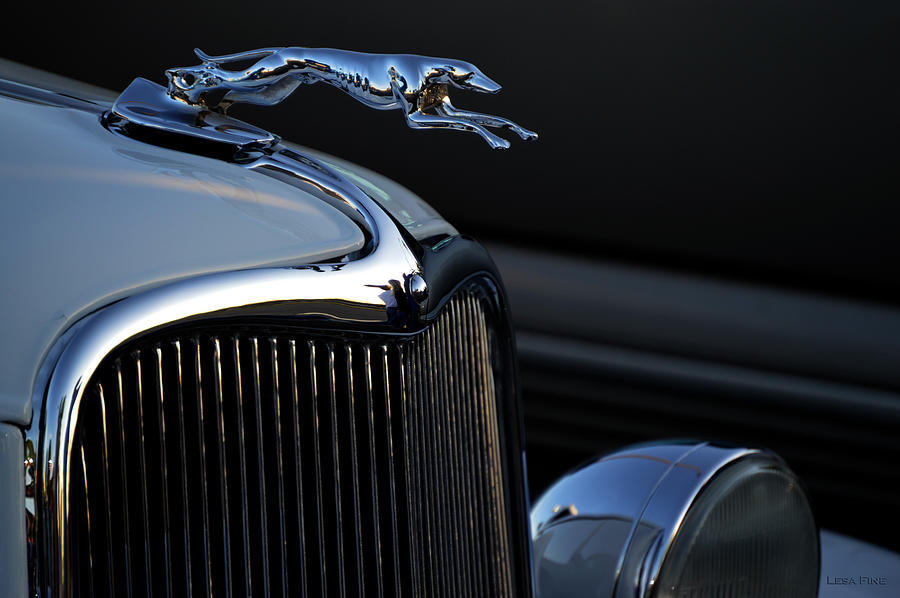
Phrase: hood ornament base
x=417 y=85
x=148 y=104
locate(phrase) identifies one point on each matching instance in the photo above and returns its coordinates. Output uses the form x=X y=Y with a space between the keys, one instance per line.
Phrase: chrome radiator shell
x=397 y=290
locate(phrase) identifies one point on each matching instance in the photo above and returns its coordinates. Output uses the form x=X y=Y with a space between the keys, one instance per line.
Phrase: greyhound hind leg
x=269 y=96
x=447 y=109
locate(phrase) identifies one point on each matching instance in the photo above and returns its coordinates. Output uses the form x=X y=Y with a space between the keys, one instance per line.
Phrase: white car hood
x=88 y=217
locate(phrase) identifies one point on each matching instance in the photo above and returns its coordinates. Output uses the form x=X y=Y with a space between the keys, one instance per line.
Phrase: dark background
x=752 y=143
x=754 y=139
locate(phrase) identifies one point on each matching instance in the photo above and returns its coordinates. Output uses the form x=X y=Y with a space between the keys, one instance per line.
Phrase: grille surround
x=50 y=559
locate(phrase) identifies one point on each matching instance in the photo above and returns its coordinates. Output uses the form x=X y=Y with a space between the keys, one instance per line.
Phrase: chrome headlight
x=676 y=519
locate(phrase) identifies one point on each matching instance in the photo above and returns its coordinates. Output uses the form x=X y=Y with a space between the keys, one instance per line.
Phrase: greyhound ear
x=202 y=55
x=458 y=74
x=229 y=58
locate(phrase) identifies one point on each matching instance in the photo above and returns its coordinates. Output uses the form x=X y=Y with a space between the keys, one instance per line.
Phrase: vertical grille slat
x=317 y=468
x=302 y=464
x=422 y=475
x=436 y=459
x=264 y=587
x=298 y=467
x=161 y=435
x=225 y=515
x=440 y=421
x=204 y=477
x=411 y=498
x=126 y=520
x=354 y=470
x=260 y=464
x=279 y=460
x=183 y=468
x=139 y=396
x=110 y=567
x=392 y=482
x=241 y=435
x=373 y=460
x=335 y=443
x=432 y=467
x=87 y=520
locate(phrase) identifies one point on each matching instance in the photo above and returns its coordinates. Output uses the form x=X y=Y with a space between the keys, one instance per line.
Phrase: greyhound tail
x=226 y=58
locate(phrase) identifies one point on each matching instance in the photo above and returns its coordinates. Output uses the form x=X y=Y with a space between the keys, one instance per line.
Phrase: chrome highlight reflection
x=417 y=85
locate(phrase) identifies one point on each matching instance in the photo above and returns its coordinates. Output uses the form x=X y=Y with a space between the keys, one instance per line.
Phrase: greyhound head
x=465 y=75
x=191 y=82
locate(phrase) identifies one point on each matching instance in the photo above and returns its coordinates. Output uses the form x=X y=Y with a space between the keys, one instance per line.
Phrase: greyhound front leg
x=448 y=109
x=420 y=120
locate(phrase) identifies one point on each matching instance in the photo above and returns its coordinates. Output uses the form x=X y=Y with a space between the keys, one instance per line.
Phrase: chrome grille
x=229 y=461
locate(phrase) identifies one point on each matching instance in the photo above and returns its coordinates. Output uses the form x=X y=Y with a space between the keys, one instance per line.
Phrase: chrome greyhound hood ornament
x=417 y=85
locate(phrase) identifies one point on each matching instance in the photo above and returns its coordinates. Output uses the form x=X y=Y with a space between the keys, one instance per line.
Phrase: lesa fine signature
x=858 y=580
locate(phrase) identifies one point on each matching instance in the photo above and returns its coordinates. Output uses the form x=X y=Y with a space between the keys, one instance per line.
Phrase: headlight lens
x=749 y=533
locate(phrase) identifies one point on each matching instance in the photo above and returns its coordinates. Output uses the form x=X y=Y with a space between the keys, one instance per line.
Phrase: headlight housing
x=677 y=519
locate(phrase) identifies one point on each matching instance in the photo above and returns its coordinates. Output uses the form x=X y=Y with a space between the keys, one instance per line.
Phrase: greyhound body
x=417 y=85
